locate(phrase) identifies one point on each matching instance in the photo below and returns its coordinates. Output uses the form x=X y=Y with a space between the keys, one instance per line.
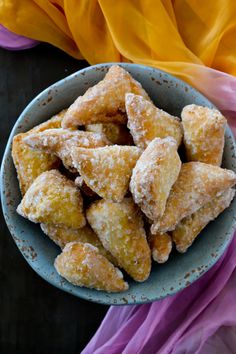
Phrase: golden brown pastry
x=82 y=264
x=204 y=130
x=52 y=198
x=190 y=227
x=107 y=170
x=115 y=133
x=161 y=246
x=60 y=142
x=104 y=102
x=196 y=185
x=156 y=171
x=62 y=235
x=29 y=163
x=120 y=229
x=147 y=122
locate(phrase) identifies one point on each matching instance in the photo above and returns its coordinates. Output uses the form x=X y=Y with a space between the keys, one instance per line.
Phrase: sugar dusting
x=120 y=229
x=204 y=130
x=106 y=170
x=147 y=122
x=196 y=185
x=61 y=141
x=189 y=228
x=52 y=198
x=104 y=102
x=83 y=265
x=153 y=176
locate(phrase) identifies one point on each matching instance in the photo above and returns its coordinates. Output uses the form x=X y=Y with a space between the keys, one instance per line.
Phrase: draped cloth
x=194 y=41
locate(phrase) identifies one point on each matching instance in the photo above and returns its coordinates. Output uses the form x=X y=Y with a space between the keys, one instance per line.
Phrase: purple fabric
x=12 y=41
x=180 y=324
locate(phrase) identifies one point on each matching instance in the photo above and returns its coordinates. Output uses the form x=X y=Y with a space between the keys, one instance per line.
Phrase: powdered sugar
x=147 y=122
x=153 y=176
x=106 y=170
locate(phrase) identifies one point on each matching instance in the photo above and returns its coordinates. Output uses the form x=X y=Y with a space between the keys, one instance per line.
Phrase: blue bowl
x=168 y=93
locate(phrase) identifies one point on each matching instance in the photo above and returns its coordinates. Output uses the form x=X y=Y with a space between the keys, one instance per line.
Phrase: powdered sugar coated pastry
x=104 y=102
x=156 y=171
x=60 y=141
x=106 y=170
x=82 y=264
x=161 y=246
x=147 y=122
x=62 y=235
x=204 y=130
x=190 y=227
x=29 y=163
x=120 y=229
x=196 y=185
x=52 y=198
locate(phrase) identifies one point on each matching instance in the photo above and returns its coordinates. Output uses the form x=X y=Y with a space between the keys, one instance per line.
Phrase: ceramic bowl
x=168 y=93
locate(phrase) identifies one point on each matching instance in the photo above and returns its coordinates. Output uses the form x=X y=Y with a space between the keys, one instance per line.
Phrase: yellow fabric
x=178 y=36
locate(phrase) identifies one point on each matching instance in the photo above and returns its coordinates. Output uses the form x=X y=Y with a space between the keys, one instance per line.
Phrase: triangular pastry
x=29 y=163
x=190 y=227
x=82 y=265
x=60 y=142
x=196 y=185
x=147 y=122
x=52 y=198
x=120 y=229
x=204 y=130
x=104 y=102
x=106 y=170
x=155 y=172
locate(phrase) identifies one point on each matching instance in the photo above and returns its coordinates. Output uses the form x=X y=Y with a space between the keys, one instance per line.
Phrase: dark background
x=35 y=317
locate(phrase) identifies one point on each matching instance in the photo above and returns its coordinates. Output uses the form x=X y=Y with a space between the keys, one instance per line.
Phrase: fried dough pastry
x=120 y=229
x=204 y=130
x=147 y=122
x=190 y=227
x=106 y=170
x=104 y=102
x=115 y=133
x=52 y=198
x=156 y=171
x=60 y=141
x=161 y=246
x=30 y=164
x=82 y=264
x=62 y=235
x=196 y=185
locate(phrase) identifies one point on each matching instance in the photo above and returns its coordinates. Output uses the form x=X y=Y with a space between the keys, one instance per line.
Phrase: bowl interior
x=168 y=93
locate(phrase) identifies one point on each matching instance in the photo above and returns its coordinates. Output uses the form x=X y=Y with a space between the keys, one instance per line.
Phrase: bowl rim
x=7 y=151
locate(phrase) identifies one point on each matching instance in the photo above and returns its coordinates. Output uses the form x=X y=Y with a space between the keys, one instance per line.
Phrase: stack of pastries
x=105 y=181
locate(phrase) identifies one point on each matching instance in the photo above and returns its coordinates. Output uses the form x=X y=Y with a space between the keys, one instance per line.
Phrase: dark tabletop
x=35 y=317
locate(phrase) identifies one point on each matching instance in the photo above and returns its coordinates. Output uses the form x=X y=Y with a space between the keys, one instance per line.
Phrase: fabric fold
x=12 y=41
